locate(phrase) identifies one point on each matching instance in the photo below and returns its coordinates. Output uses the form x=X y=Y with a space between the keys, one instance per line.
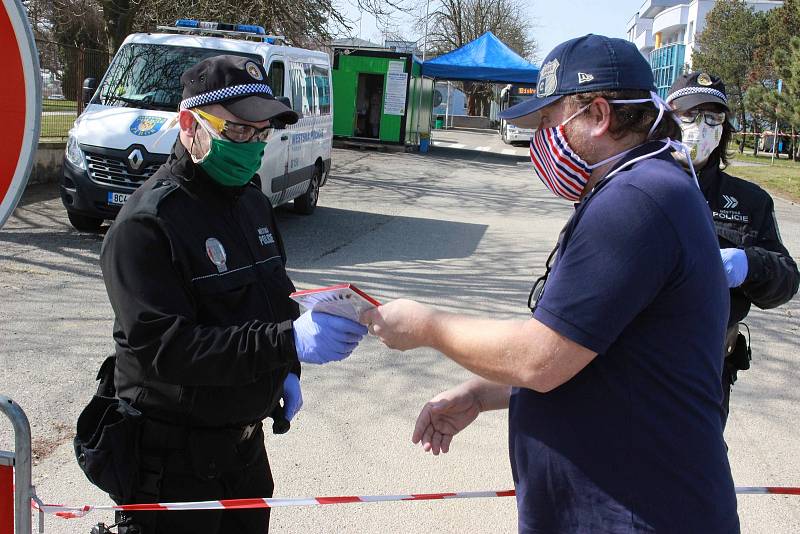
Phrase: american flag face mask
x=563 y=171
x=559 y=168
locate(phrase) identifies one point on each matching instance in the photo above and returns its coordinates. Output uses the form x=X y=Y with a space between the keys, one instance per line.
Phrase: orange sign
x=526 y=91
x=20 y=104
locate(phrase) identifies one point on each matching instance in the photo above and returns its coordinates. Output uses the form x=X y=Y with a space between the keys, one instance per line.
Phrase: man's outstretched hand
x=401 y=324
x=443 y=417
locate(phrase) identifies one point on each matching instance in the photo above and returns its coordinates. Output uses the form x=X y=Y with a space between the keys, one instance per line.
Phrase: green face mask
x=231 y=164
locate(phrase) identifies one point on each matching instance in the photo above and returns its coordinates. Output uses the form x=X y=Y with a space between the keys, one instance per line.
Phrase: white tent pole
x=424 y=46
x=447 y=107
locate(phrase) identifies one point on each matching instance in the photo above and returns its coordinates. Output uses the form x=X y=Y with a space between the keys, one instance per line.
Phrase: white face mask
x=701 y=139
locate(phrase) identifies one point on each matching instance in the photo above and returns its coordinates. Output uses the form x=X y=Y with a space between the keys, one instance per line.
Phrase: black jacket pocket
x=107 y=446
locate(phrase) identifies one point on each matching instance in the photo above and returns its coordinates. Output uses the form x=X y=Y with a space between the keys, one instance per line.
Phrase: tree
x=774 y=60
x=787 y=102
x=302 y=22
x=71 y=41
x=454 y=23
x=306 y=23
x=728 y=47
x=785 y=60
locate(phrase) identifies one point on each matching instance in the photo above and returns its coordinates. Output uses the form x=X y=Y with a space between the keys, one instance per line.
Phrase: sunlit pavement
x=466 y=227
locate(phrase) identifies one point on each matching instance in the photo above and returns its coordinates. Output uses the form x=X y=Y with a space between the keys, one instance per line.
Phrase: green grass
x=56 y=126
x=762 y=157
x=782 y=180
x=59 y=105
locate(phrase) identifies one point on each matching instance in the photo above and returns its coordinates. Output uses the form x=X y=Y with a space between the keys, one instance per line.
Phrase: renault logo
x=135 y=159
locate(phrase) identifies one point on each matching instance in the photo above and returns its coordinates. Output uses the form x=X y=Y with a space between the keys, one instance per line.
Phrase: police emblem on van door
x=548 y=80
x=253 y=70
x=265 y=237
x=216 y=253
x=147 y=125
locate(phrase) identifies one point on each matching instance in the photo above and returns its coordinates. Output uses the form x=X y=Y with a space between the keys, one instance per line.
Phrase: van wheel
x=84 y=223
x=306 y=202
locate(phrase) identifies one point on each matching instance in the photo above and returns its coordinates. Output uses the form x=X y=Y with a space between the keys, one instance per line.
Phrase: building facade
x=665 y=32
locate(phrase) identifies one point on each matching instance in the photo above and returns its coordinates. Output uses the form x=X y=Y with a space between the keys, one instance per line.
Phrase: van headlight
x=74 y=153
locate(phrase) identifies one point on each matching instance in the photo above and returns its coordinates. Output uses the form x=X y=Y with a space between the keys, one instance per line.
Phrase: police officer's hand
x=292 y=396
x=401 y=324
x=443 y=417
x=735 y=262
x=322 y=338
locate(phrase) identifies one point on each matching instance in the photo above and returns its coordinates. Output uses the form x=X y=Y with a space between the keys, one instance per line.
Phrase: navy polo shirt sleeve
x=620 y=254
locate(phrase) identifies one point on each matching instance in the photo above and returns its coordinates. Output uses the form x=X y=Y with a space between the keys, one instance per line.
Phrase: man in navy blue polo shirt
x=613 y=385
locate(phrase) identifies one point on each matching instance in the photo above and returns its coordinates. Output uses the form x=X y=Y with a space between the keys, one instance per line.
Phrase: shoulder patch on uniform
x=153 y=193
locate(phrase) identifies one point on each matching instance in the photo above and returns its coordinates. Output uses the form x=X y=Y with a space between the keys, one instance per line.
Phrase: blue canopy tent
x=486 y=59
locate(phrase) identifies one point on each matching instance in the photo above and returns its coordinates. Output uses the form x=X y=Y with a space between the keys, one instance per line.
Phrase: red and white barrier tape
x=69 y=512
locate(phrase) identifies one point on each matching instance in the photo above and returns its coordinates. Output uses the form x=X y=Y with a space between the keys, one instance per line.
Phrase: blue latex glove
x=735 y=262
x=322 y=338
x=292 y=396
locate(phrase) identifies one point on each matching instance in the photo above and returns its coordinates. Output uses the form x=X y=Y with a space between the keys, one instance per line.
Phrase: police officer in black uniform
x=759 y=269
x=207 y=338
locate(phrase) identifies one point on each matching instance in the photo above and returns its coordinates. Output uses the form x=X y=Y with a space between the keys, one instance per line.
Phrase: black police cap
x=239 y=84
x=695 y=88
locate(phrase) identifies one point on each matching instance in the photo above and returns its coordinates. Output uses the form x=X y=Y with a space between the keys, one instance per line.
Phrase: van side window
x=310 y=89
x=322 y=83
x=300 y=101
x=275 y=78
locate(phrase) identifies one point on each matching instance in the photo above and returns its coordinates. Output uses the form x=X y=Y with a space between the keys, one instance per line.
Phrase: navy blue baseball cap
x=583 y=65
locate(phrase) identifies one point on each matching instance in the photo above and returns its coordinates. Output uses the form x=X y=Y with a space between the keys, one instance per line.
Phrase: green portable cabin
x=380 y=96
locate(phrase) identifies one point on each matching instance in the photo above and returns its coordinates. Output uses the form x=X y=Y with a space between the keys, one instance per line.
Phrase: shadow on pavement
x=315 y=241
x=443 y=153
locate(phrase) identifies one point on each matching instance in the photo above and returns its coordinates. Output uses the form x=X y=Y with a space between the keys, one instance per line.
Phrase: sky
x=553 y=21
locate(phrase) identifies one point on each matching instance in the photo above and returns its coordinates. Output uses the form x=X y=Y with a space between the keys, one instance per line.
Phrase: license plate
x=117 y=198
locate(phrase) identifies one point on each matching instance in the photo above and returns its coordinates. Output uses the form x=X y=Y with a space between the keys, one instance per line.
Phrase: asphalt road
x=466 y=227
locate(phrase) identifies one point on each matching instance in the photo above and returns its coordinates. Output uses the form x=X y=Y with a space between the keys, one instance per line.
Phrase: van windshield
x=148 y=76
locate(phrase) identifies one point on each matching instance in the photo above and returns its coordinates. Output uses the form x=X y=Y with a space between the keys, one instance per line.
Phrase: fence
x=63 y=69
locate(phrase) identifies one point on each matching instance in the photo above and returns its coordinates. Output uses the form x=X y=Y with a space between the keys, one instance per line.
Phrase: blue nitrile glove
x=322 y=338
x=735 y=262
x=292 y=396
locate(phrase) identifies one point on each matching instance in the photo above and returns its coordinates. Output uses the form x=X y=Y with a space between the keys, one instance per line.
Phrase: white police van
x=122 y=138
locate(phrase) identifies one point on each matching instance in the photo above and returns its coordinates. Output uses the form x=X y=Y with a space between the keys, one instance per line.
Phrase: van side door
x=274 y=171
x=303 y=103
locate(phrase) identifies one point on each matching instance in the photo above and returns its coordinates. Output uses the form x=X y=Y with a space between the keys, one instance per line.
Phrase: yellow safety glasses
x=235 y=131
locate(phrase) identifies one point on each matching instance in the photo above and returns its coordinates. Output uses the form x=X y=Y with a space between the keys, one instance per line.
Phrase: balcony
x=667 y=62
x=651 y=8
x=671 y=20
x=632 y=22
x=644 y=42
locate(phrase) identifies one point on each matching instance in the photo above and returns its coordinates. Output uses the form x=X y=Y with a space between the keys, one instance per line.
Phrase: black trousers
x=728 y=378
x=172 y=475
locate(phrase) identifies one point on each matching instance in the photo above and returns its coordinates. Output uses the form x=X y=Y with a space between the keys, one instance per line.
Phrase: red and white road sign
x=20 y=104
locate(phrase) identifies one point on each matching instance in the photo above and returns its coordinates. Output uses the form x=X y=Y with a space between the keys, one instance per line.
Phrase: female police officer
x=207 y=338
x=759 y=269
